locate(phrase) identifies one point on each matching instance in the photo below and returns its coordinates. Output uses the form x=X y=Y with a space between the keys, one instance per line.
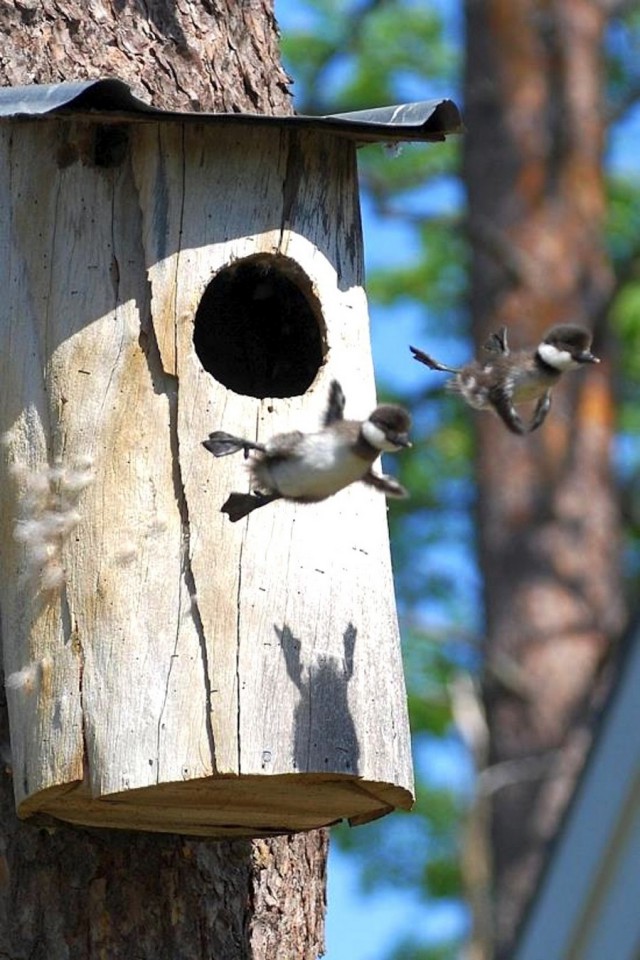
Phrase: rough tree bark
x=182 y=54
x=86 y=893
x=547 y=516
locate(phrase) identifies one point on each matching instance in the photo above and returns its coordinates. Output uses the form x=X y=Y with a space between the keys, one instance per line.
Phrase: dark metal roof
x=427 y=120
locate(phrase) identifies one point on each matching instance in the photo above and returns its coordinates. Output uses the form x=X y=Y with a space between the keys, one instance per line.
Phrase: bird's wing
x=335 y=404
x=497 y=342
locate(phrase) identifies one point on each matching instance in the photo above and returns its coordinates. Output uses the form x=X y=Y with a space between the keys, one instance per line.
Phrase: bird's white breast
x=323 y=463
x=529 y=385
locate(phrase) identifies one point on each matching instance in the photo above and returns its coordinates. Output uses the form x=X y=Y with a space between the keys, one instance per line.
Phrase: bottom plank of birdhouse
x=250 y=806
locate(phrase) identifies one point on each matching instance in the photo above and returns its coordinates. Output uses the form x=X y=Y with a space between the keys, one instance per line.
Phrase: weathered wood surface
x=154 y=650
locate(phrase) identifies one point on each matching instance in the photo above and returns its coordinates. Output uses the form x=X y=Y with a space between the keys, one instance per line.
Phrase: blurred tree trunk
x=548 y=522
x=72 y=893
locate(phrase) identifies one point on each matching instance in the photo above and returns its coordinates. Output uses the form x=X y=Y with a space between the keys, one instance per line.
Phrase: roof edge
x=425 y=120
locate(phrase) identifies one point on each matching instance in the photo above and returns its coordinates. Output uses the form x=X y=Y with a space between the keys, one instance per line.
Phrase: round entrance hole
x=259 y=328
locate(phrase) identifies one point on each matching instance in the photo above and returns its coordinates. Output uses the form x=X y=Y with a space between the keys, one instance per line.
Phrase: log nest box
x=165 y=275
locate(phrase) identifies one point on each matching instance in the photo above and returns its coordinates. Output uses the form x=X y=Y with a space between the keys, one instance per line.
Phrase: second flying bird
x=507 y=379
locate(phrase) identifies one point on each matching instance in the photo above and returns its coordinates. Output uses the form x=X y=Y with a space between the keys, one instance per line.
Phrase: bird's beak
x=402 y=440
x=587 y=357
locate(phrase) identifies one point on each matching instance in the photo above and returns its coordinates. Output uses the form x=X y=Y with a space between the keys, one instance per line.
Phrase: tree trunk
x=75 y=893
x=549 y=538
x=186 y=55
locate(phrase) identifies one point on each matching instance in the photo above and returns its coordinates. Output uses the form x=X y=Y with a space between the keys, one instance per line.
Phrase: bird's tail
x=430 y=362
x=221 y=444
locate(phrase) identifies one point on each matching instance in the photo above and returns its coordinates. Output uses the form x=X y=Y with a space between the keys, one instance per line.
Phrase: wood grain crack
x=167 y=384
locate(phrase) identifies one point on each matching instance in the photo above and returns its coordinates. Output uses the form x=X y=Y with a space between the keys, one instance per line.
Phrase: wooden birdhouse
x=165 y=275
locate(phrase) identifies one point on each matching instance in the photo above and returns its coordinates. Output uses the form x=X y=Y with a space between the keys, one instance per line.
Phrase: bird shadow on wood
x=325 y=737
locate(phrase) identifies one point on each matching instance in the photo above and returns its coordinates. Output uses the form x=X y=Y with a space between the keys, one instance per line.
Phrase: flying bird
x=309 y=467
x=509 y=378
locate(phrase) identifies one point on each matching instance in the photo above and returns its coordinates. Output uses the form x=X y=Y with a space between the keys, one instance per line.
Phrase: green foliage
x=623 y=59
x=437 y=470
x=408 y=950
x=389 y=174
x=625 y=318
x=396 y=847
x=436 y=274
x=442 y=876
x=623 y=216
x=624 y=245
x=358 y=55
